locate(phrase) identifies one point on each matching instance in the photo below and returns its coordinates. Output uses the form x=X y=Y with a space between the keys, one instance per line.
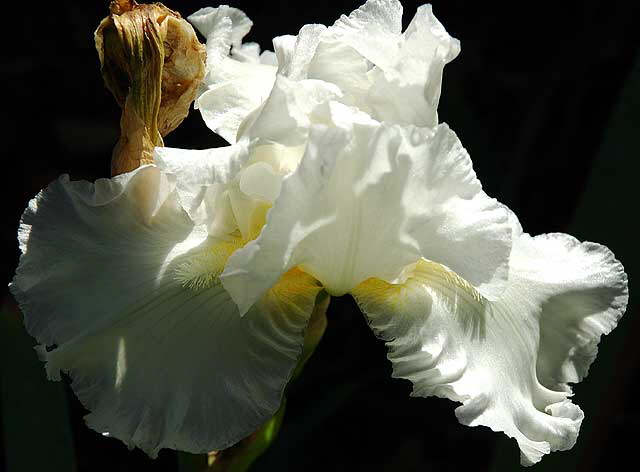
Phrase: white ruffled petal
x=269 y=58
x=403 y=86
x=296 y=52
x=202 y=177
x=284 y=48
x=285 y=117
x=364 y=60
x=367 y=203
x=225 y=106
x=374 y=30
x=409 y=90
x=340 y=64
x=247 y=52
x=426 y=37
x=582 y=290
x=223 y=28
x=120 y=286
x=507 y=361
x=234 y=85
x=83 y=242
x=230 y=188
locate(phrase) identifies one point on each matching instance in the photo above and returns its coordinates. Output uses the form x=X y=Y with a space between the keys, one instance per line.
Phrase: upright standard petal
x=363 y=60
x=286 y=116
x=369 y=201
x=409 y=91
x=223 y=27
x=295 y=53
x=374 y=30
x=237 y=81
x=393 y=76
x=404 y=84
x=121 y=289
x=507 y=361
x=316 y=53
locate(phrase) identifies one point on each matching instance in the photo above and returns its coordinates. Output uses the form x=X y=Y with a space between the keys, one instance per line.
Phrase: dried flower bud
x=153 y=64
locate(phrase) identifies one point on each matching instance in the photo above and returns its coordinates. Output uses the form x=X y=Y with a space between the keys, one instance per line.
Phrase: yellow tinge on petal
x=202 y=269
x=401 y=297
x=294 y=287
x=258 y=219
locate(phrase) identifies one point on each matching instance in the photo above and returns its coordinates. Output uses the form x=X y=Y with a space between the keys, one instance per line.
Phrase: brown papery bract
x=153 y=63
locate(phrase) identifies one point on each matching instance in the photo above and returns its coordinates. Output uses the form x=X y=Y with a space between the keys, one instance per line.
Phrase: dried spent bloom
x=180 y=317
x=153 y=64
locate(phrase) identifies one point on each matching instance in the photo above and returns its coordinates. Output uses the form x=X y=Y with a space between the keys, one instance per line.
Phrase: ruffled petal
x=583 y=292
x=295 y=53
x=237 y=84
x=83 y=242
x=404 y=84
x=409 y=91
x=507 y=361
x=374 y=30
x=201 y=178
x=286 y=115
x=364 y=60
x=223 y=28
x=224 y=106
x=120 y=288
x=340 y=64
x=229 y=189
x=369 y=201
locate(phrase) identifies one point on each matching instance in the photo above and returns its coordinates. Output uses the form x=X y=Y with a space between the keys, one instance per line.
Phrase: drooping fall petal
x=119 y=285
x=509 y=362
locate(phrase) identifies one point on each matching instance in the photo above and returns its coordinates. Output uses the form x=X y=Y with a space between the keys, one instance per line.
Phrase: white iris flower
x=176 y=296
x=363 y=60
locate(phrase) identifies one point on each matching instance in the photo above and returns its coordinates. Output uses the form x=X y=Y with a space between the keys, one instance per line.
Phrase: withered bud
x=153 y=63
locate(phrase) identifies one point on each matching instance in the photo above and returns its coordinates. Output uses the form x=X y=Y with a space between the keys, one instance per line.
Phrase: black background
x=545 y=98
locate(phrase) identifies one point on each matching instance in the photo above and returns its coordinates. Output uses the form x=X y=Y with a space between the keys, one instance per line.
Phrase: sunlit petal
x=507 y=361
x=236 y=83
x=404 y=86
x=374 y=30
x=121 y=289
x=201 y=179
x=367 y=203
x=409 y=91
x=285 y=117
x=294 y=53
x=363 y=59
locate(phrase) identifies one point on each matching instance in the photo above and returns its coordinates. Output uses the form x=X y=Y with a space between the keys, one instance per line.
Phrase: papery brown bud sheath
x=153 y=63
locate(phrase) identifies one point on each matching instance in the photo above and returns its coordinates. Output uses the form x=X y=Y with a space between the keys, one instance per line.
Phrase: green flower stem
x=239 y=457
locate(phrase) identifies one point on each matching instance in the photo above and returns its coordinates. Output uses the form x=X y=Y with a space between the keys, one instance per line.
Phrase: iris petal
x=235 y=86
x=201 y=180
x=367 y=200
x=364 y=60
x=120 y=287
x=508 y=361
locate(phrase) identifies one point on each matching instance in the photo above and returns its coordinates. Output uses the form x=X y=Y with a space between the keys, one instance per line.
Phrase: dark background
x=546 y=100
